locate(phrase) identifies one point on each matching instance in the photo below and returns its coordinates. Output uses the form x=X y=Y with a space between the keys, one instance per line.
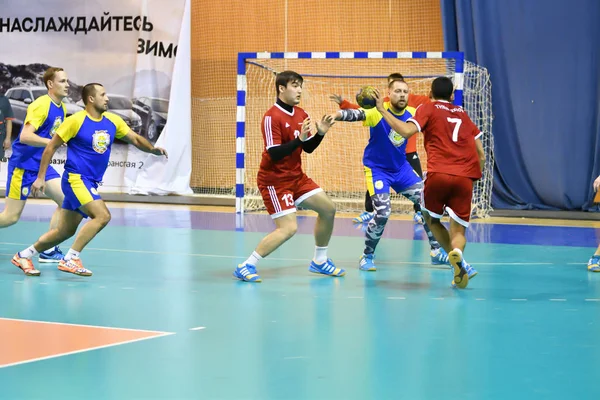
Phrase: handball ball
x=365 y=98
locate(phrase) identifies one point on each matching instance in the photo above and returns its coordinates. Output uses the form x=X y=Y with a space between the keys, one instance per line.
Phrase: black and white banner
x=132 y=47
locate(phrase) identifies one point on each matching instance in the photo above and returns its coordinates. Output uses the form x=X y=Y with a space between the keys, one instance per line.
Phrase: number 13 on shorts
x=288 y=199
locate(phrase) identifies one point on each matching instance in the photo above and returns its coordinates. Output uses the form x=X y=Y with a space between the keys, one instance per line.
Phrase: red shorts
x=283 y=197
x=449 y=193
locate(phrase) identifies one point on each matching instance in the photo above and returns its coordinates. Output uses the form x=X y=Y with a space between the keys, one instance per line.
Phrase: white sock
x=71 y=254
x=28 y=252
x=253 y=259
x=50 y=250
x=320 y=254
x=461 y=254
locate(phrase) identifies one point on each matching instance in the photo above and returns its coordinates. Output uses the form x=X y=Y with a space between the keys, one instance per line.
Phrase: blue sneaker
x=364 y=217
x=246 y=273
x=439 y=257
x=53 y=257
x=594 y=264
x=327 y=268
x=470 y=270
x=366 y=263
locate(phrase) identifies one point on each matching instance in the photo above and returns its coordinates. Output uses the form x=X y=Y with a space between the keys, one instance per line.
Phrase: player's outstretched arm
x=597 y=184
x=39 y=184
x=144 y=145
x=403 y=128
x=349 y=115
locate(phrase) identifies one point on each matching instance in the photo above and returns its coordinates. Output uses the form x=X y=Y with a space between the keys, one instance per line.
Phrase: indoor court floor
x=162 y=317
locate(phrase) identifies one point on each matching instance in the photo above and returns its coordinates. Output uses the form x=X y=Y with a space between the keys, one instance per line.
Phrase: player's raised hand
x=305 y=131
x=38 y=186
x=378 y=100
x=325 y=123
x=597 y=184
x=336 y=98
x=159 y=151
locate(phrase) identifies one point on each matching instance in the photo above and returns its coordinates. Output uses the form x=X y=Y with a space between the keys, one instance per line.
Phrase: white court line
x=396 y=298
x=159 y=334
x=280 y=259
x=84 y=326
x=199 y=328
x=518 y=299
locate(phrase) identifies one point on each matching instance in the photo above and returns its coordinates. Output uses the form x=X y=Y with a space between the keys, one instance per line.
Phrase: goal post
x=337 y=164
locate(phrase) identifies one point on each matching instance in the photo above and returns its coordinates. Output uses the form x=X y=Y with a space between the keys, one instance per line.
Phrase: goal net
x=337 y=164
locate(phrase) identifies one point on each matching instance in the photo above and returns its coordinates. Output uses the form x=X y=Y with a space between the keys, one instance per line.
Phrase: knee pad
x=382 y=206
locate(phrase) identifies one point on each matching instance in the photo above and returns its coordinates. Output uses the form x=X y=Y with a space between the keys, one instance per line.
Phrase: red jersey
x=414 y=100
x=279 y=127
x=449 y=136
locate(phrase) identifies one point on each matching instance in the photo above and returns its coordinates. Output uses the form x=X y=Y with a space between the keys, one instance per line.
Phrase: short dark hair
x=391 y=82
x=89 y=90
x=50 y=74
x=285 y=77
x=442 y=88
x=396 y=76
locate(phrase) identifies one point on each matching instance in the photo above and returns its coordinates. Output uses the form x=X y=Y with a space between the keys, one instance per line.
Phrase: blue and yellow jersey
x=89 y=142
x=45 y=116
x=386 y=148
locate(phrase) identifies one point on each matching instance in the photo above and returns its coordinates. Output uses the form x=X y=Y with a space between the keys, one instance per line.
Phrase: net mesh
x=337 y=164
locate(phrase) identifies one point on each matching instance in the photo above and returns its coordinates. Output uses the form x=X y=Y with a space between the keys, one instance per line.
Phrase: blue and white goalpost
x=336 y=165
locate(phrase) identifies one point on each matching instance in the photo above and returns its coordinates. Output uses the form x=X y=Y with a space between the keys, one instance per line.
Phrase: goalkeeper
x=386 y=167
x=414 y=100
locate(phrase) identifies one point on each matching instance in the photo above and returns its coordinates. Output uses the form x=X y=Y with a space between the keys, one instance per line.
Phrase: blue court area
x=527 y=327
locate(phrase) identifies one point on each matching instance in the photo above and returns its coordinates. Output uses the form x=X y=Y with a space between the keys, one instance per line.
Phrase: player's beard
x=101 y=109
x=399 y=106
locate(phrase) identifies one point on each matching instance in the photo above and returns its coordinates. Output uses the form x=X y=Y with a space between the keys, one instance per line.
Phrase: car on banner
x=21 y=97
x=123 y=107
x=154 y=112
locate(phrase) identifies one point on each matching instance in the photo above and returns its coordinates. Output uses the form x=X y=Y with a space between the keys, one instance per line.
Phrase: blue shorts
x=78 y=191
x=19 y=180
x=379 y=181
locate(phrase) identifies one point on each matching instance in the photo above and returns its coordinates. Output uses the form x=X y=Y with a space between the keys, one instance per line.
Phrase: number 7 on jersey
x=456 y=122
